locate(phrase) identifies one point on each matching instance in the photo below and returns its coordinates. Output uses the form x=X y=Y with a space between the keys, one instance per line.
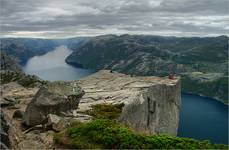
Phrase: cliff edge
x=151 y=104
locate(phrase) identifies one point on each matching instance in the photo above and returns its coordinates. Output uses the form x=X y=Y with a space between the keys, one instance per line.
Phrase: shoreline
x=213 y=98
x=81 y=66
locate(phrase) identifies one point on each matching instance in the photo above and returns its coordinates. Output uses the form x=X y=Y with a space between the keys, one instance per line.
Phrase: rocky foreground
x=150 y=105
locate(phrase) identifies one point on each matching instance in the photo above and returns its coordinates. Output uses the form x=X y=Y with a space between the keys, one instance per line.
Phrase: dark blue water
x=203 y=118
x=200 y=118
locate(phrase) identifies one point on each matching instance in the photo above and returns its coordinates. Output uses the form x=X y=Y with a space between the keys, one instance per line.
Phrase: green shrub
x=20 y=78
x=102 y=133
x=106 y=111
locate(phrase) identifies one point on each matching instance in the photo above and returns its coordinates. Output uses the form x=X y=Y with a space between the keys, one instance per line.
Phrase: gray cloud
x=69 y=18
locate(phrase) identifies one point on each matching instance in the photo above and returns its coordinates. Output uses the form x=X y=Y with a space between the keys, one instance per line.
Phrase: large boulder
x=53 y=98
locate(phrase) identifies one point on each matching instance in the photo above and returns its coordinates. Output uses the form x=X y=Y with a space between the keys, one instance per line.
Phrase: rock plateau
x=151 y=103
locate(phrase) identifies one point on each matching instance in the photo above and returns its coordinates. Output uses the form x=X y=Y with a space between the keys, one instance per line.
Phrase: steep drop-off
x=151 y=104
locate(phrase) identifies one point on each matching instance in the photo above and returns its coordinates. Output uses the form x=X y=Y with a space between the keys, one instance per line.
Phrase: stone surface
x=17 y=93
x=155 y=110
x=52 y=98
x=81 y=117
x=19 y=139
x=151 y=103
x=4 y=128
x=5 y=102
x=102 y=87
x=53 y=119
x=57 y=123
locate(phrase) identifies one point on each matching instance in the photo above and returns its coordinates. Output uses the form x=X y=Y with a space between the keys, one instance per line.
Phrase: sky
x=74 y=18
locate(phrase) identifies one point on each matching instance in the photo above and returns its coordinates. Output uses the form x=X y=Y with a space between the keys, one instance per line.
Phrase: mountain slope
x=155 y=55
x=12 y=72
x=24 y=48
x=8 y=63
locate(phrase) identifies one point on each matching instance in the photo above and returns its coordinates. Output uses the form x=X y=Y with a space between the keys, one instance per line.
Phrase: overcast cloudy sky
x=70 y=18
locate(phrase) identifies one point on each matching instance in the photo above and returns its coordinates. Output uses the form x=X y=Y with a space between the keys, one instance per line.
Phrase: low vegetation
x=107 y=134
x=106 y=111
x=20 y=78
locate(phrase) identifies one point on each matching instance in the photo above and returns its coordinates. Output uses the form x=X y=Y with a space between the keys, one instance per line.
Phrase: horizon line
x=91 y=36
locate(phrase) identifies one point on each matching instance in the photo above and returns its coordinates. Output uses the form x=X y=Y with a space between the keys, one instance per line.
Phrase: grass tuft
x=106 y=111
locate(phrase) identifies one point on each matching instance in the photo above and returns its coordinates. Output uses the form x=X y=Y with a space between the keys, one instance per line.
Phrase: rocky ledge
x=151 y=104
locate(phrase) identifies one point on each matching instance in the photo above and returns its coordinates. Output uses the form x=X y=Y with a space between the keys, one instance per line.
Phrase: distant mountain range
x=201 y=62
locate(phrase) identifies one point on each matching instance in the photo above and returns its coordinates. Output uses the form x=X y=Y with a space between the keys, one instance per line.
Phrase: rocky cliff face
x=155 y=111
x=151 y=103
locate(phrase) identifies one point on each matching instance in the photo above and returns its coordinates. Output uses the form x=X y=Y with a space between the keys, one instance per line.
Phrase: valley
x=106 y=85
x=52 y=66
x=140 y=74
